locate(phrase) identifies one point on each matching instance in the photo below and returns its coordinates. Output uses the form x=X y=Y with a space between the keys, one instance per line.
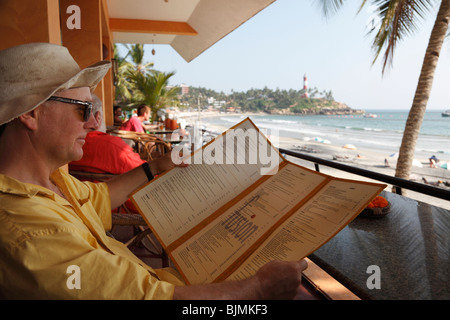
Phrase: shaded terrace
x=190 y=27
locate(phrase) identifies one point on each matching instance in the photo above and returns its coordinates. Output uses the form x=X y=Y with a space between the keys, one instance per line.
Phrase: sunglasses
x=87 y=105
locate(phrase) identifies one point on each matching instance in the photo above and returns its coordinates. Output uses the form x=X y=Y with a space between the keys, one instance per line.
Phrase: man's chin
x=77 y=156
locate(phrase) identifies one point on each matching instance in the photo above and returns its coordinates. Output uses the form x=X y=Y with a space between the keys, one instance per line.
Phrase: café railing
x=397 y=183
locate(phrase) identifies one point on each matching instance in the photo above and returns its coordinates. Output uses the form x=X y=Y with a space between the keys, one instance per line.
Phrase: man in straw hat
x=52 y=224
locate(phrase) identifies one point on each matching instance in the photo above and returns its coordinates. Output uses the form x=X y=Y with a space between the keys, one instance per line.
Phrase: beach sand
x=373 y=160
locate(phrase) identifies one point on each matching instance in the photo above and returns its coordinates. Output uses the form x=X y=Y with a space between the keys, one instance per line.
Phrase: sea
x=383 y=132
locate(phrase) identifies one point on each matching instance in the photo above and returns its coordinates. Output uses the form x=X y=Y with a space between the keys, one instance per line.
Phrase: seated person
x=118 y=116
x=136 y=123
x=104 y=153
x=51 y=223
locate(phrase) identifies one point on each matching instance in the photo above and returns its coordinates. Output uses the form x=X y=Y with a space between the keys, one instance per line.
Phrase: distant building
x=184 y=89
x=215 y=103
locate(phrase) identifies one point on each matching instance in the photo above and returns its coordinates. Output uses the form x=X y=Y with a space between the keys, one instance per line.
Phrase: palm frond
x=398 y=19
x=330 y=7
x=139 y=83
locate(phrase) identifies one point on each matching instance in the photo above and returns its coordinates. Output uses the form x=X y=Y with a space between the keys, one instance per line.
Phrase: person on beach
x=433 y=161
x=52 y=226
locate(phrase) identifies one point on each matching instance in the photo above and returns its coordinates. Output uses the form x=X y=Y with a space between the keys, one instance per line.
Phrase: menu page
x=216 y=247
x=312 y=225
x=184 y=197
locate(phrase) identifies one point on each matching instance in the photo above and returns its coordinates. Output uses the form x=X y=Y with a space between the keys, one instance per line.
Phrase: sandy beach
x=369 y=160
x=373 y=160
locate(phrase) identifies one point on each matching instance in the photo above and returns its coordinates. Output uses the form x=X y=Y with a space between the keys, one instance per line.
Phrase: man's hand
x=280 y=279
x=275 y=280
x=163 y=164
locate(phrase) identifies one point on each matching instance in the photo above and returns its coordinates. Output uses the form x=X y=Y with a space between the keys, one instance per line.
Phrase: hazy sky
x=290 y=38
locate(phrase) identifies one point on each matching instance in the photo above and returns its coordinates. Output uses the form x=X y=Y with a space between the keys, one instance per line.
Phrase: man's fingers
x=303 y=264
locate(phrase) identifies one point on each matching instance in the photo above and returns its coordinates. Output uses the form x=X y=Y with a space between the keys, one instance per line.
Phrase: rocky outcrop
x=319 y=107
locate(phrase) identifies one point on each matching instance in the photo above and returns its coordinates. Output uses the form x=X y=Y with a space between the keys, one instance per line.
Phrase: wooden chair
x=151 y=148
x=141 y=238
x=124 y=217
x=148 y=146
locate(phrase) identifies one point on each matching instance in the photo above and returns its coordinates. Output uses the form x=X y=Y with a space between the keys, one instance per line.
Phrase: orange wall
x=28 y=21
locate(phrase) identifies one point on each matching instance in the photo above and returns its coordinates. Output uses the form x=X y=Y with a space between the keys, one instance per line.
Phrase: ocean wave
x=363 y=129
x=302 y=130
x=379 y=142
x=380 y=135
x=373 y=129
x=282 y=121
x=233 y=120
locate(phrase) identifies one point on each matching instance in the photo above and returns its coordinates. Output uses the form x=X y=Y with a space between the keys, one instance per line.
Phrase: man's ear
x=30 y=118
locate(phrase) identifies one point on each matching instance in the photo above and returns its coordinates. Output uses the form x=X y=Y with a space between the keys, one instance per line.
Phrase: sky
x=291 y=38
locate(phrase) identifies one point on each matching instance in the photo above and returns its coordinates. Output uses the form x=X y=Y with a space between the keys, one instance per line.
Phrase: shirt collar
x=23 y=189
x=14 y=186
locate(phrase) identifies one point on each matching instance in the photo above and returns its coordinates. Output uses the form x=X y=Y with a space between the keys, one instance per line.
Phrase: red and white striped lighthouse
x=305 y=86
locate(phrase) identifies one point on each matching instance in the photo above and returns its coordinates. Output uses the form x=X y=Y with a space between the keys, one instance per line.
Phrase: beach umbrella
x=349 y=146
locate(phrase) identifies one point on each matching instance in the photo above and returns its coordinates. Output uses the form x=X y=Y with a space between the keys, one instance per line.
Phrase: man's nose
x=93 y=122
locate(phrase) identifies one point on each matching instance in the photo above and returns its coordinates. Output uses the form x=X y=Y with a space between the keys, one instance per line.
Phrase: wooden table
x=410 y=246
x=173 y=138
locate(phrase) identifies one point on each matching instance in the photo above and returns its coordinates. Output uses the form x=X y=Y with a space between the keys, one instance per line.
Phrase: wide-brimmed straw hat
x=33 y=72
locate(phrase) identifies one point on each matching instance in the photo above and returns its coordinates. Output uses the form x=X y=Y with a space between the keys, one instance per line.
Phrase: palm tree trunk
x=417 y=111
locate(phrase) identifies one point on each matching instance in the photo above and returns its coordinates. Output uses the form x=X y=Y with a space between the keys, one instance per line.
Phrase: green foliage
x=139 y=83
x=392 y=21
x=265 y=100
x=152 y=89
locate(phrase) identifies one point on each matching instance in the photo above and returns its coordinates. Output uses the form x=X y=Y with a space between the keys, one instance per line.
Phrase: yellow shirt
x=53 y=248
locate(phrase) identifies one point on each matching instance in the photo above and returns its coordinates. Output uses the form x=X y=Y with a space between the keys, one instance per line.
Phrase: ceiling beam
x=151 y=26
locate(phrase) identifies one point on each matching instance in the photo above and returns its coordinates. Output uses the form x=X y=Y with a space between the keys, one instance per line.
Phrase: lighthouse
x=305 y=86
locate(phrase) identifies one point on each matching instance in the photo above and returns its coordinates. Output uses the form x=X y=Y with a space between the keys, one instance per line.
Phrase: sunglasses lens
x=87 y=105
x=87 y=113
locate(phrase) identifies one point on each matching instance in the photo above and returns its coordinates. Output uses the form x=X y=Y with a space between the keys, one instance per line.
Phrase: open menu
x=230 y=212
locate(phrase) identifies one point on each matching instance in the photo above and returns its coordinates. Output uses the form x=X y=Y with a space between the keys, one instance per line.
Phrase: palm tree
x=136 y=53
x=398 y=18
x=126 y=70
x=139 y=83
x=152 y=89
x=122 y=84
